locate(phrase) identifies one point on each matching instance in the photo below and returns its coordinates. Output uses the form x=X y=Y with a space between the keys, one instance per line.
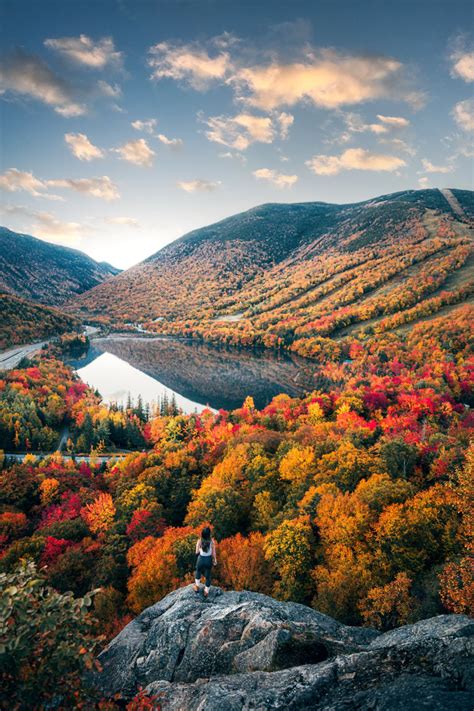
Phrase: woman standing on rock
x=206 y=552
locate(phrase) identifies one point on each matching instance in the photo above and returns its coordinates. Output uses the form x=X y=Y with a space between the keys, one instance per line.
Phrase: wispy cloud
x=429 y=167
x=190 y=63
x=47 y=226
x=103 y=187
x=273 y=176
x=84 y=51
x=353 y=159
x=240 y=131
x=28 y=75
x=137 y=152
x=463 y=114
x=149 y=126
x=193 y=186
x=14 y=180
x=81 y=147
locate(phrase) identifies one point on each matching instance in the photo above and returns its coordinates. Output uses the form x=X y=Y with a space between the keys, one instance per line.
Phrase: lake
x=198 y=374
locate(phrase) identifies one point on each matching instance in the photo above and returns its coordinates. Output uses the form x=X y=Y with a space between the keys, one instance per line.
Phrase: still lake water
x=198 y=374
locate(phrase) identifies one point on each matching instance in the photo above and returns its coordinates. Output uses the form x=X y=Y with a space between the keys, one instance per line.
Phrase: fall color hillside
x=299 y=276
x=23 y=321
x=45 y=272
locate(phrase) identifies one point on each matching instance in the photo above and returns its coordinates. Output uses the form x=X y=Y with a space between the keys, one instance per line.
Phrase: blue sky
x=126 y=123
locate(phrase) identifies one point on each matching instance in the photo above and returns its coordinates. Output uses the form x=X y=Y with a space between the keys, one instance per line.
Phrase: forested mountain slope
x=297 y=275
x=45 y=272
x=23 y=321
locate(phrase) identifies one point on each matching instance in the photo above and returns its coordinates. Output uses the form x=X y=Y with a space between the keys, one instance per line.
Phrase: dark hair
x=205 y=538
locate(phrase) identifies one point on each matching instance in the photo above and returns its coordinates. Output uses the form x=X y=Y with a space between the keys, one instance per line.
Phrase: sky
x=127 y=123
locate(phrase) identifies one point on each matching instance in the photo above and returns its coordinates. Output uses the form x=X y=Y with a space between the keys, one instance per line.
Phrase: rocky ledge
x=243 y=650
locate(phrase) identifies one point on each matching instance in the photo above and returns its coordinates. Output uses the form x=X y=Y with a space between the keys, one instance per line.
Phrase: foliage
x=46 y=642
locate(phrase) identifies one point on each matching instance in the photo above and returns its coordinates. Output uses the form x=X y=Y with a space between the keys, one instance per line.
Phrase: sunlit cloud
x=424 y=182
x=103 y=187
x=193 y=186
x=353 y=159
x=47 y=226
x=429 y=167
x=81 y=147
x=28 y=75
x=384 y=125
x=325 y=78
x=273 y=176
x=285 y=121
x=137 y=152
x=170 y=142
x=14 y=180
x=462 y=59
x=148 y=126
x=189 y=63
x=463 y=114
x=84 y=51
x=239 y=132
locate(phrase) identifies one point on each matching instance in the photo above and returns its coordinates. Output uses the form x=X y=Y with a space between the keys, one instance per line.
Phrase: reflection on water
x=198 y=374
x=117 y=380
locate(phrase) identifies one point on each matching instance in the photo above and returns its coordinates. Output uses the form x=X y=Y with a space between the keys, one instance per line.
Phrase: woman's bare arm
x=198 y=544
x=213 y=550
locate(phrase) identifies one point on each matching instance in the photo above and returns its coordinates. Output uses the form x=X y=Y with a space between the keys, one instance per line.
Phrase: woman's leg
x=197 y=575
x=208 y=577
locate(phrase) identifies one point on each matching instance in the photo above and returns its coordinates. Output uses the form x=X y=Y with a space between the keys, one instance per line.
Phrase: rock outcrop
x=243 y=650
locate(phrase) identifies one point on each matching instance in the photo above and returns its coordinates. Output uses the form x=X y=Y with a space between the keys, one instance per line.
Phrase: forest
x=356 y=499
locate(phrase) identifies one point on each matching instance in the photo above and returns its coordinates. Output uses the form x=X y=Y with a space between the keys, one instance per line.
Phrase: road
x=77 y=458
x=10 y=358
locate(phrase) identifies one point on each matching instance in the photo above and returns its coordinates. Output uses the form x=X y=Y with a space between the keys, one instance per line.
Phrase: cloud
x=193 y=186
x=14 y=180
x=386 y=124
x=276 y=178
x=102 y=188
x=170 y=142
x=233 y=156
x=190 y=63
x=84 y=51
x=148 y=126
x=81 y=147
x=124 y=221
x=463 y=113
x=353 y=159
x=424 y=182
x=462 y=59
x=325 y=78
x=285 y=121
x=28 y=75
x=48 y=226
x=428 y=167
x=113 y=91
x=137 y=152
x=240 y=131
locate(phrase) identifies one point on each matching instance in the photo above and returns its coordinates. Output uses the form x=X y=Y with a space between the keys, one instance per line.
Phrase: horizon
x=107 y=261
x=126 y=128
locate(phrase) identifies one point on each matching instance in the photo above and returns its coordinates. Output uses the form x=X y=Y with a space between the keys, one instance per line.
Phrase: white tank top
x=205 y=553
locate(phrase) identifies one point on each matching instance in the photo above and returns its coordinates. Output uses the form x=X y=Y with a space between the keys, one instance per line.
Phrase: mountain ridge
x=28 y=267
x=280 y=272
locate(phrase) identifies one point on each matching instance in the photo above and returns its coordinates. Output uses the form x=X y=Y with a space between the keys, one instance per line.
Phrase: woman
x=206 y=552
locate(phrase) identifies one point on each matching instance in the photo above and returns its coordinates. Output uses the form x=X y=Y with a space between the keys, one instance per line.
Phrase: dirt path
x=453 y=203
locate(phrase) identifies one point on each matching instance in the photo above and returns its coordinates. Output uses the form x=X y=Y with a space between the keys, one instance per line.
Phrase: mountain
x=45 y=272
x=243 y=650
x=23 y=321
x=280 y=275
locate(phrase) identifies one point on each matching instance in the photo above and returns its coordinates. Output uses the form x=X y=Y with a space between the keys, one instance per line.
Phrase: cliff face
x=243 y=650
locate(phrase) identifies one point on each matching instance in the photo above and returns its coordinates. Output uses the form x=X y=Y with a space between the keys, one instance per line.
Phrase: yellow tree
x=99 y=515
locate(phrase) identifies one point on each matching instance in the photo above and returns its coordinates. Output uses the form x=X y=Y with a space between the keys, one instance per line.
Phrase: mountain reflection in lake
x=198 y=374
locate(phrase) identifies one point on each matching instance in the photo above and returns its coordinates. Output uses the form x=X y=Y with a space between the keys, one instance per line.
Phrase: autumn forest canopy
x=356 y=499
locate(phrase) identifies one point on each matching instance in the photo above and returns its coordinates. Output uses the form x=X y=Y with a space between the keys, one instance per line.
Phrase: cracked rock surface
x=243 y=650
